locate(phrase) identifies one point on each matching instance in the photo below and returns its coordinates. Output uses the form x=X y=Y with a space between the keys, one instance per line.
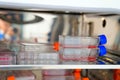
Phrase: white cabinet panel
x=65 y=5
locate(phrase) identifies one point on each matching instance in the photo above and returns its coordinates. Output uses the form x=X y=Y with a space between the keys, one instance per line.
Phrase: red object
x=77 y=70
x=77 y=74
x=116 y=74
x=11 y=78
x=56 y=46
x=85 y=78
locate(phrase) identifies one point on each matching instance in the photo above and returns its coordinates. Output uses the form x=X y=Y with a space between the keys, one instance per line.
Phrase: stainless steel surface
x=53 y=25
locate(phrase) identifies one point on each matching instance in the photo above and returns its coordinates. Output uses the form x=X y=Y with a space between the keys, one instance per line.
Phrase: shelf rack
x=34 y=67
x=97 y=6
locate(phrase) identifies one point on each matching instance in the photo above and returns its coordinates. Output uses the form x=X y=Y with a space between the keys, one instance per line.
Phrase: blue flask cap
x=103 y=39
x=1 y=36
x=102 y=50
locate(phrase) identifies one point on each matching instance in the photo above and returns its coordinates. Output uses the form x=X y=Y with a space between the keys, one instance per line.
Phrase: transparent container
x=4 y=45
x=58 y=78
x=33 y=57
x=7 y=58
x=81 y=42
x=77 y=62
x=81 y=54
x=23 y=75
x=34 y=53
x=15 y=47
x=35 y=47
x=56 y=72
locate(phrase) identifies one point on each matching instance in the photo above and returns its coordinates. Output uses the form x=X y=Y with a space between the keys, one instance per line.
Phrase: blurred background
x=61 y=74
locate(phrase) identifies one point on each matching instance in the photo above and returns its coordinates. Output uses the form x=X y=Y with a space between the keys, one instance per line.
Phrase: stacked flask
x=82 y=50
